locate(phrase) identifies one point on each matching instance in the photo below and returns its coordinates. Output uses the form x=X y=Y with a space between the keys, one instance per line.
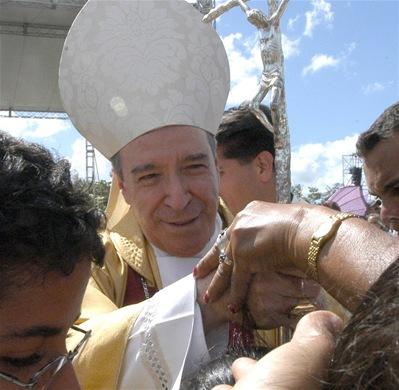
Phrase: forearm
x=351 y=261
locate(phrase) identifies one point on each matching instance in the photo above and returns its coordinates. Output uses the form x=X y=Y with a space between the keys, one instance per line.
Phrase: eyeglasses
x=42 y=379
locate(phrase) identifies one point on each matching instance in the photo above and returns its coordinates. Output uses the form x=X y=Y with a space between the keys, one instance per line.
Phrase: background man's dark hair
x=45 y=223
x=242 y=136
x=386 y=125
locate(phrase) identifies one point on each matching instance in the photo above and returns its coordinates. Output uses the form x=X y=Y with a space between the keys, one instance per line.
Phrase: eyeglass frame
x=63 y=360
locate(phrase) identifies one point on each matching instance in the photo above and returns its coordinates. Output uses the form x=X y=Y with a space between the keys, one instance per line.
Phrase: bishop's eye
x=196 y=168
x=146 y=179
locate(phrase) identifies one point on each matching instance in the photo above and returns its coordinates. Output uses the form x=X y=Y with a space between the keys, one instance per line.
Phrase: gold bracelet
x=320 y=237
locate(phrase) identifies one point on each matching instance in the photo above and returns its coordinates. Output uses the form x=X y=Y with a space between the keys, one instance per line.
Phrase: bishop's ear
x=124 y=188
x=118 y=180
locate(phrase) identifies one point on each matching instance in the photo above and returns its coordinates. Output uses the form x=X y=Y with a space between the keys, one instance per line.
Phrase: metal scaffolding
x=91 y=164
x=352 y=170
x=32 y=114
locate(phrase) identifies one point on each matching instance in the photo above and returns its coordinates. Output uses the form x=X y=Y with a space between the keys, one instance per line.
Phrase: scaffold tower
x=352 y=170
x=91 y=164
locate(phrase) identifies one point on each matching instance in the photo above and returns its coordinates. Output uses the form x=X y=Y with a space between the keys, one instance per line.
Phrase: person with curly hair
x=48 y=240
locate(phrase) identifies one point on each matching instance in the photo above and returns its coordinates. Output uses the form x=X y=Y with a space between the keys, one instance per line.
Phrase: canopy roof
x=32 y=34
x=350 y=199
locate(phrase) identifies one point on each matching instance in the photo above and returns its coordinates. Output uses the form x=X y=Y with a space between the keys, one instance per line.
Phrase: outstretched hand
x=259 y=241
x=299 y=364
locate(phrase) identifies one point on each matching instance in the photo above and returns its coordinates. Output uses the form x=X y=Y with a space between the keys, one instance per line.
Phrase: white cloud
x=292 y=21
x=320 y=61
x=320 y=165
x=245 y=66
x=373 y=87
x=376 y=87
x=78 y=161
x=34 y=128
x=349 y=48
x=290 y=47
x=321 y=13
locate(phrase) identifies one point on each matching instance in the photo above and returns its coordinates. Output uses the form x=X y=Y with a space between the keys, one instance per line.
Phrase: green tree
x=297 y=191
x=314 y=196
x=98 y=191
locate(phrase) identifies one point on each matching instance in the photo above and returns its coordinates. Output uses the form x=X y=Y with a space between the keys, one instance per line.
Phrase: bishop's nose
x=177 y=194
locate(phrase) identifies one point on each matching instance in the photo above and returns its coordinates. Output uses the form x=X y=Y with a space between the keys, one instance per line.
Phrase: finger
x=296 y=287
x=300 y=363
x=274 y=320
x=222 y=387
x=240 y=282
x=292 y=271
x=317 y=324
x=220 y=282
x=241 y=367
x=272 y=297
x=310 y=289
x=207 y=264
x=314 y=338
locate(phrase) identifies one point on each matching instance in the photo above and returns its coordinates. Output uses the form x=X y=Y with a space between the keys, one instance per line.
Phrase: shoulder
x=99 y=363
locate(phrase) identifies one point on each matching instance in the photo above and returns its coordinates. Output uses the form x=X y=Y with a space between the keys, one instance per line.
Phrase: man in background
x=245 y=153
x=379 y=149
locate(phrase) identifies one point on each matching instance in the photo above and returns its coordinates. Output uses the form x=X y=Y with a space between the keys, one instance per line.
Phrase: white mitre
x=129 y=67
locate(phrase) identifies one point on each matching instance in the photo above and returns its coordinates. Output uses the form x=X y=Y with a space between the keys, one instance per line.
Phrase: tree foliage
x=314 y=195
x=99 y=191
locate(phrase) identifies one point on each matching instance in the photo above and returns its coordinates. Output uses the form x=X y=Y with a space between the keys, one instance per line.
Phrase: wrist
x=296 y=238
x=304 y=223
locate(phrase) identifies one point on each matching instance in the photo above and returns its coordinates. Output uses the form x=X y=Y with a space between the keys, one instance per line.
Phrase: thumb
x=241 y=367
x=301 y=363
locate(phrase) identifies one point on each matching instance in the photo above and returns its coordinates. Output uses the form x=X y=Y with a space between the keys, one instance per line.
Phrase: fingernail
x=233 y=308
x=195 y=272
x=206 y=297
x=334 y=324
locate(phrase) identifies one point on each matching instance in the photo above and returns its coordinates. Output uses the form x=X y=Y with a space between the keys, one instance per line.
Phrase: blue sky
x=341 y=69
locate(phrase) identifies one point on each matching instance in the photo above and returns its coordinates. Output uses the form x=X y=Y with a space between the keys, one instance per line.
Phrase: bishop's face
x=170 y=180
